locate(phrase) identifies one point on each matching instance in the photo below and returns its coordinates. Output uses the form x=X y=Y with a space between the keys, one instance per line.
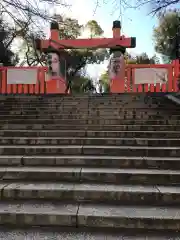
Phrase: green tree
x=167 y=34
x=33 y=14
x=94 y=28
x=104 y=82
x=142 y=58
x=7 y=56
x=81 y=84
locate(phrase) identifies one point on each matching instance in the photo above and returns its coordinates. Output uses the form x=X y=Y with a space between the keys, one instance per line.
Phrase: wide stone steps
x=157 y=195
x=163 y=142
x=91 y=175
x=32 y=213
x=100 y=150
x=89 y=133
x=107 y=163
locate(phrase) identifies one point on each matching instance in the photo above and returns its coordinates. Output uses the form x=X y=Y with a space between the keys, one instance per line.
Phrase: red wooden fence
x=173 y=71
x=38 y=88
x=42 y=86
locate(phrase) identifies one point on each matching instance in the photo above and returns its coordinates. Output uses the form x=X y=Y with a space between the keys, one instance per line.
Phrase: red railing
x=38 y=88
x=173 y=71
x=42 y=86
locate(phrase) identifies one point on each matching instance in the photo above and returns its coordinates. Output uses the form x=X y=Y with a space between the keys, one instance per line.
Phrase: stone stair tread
x=80 y=130
x=4 y=117
x=95 y=157
x=135 y=212
x=90 y=160
x=91 y=122
x=64 y=169
x=49 y=186
x=88 y=147
x=86 y=210
x=92 y=125
x=49 y=169
x=130 y=171
x=7 y=118
x=92 y=138
x=128 y=147
x=44 y=234
x=33 y=207
x=41 y=146
x=89 y=133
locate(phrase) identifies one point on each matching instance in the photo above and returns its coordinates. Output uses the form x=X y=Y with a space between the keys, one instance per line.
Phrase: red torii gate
x=117 y=44
x=129 y=78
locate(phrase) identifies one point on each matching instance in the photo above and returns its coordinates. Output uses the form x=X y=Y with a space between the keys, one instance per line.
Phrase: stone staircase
x=89 y=167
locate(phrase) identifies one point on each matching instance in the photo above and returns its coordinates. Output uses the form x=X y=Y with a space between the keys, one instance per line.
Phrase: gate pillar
x=116 y=66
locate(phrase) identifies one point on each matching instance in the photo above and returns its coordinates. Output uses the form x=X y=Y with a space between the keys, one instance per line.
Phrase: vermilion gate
x=129 y=78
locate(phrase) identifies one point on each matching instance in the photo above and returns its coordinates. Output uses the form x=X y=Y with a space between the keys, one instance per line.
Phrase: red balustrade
x=42 y=86
x=173 y=71
x=39 y=86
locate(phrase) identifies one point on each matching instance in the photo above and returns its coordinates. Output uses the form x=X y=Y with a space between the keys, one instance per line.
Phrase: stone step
x=78 y=234
x=101 y=100
x=83 y=108
x=91 y=175
x=103 y=110
x=32 y=213
x=93 y=121
x=94 y=127
x=87 y=112
x=84 y=104
x=130 y=118
x=96 y=109
x=94 y=161
x=101 y=150
x=92 y=193
x=93 y=100
x=163 y=142
x=94 y=97
x=88 y=133
x=91 y=215
x=166 y=163
x=126 y=103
